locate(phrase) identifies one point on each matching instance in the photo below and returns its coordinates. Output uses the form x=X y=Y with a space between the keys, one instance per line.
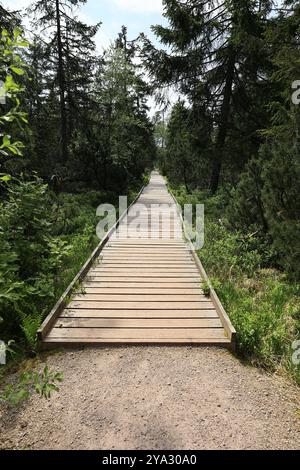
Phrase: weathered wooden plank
x=138 y=323
x=88 y=297
x=143 y=255
x=150 y=262
x=129 y=313
x=143 y=284
x=137 y=276
x=141 y=244
x=154 y=257
x=52 y=342
x=141 y=291
x=139 y=265
x=141 y=270
x=137 y=333
x=137 y=305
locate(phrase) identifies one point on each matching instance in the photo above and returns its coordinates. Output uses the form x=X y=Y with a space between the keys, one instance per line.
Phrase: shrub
x=45 y=239
x=262 y=302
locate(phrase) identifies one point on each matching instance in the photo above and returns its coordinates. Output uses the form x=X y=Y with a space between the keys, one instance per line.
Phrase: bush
x=282 y=202
x=232 y=254
x=267 y=201
x=45 y=239
x=263 y=304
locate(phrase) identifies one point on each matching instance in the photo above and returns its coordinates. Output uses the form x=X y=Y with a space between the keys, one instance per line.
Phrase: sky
x=137 y=15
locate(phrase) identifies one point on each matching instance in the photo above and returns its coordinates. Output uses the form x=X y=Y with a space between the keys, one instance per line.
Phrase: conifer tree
x=214 y=49
x=70 y=47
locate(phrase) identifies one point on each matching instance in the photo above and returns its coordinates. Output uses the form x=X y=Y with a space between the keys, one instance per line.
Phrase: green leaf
x=17 y=32
x=6 y=141
x=17 y=70
x=4 y=178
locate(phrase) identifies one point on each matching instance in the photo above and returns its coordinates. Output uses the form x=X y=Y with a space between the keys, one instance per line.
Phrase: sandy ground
x=156 y=398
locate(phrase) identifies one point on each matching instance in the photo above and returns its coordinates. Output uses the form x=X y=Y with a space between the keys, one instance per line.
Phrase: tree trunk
x=223 y=126
x=61 y=83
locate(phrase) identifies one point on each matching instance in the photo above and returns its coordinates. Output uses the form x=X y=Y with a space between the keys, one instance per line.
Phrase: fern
x=30 y=325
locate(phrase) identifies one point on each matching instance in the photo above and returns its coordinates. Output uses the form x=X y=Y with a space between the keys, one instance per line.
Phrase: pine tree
x=127 y=144
x=216 y=48
x=267 y=197
x=71 y=49
x=282 y=150
x=179 y=154
x=9 y=20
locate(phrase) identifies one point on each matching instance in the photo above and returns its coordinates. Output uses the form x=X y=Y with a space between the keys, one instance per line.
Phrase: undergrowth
x=45 y=239
x=263 y=302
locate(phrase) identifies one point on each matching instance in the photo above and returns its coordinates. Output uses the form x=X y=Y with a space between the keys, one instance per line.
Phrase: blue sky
x=137 y=15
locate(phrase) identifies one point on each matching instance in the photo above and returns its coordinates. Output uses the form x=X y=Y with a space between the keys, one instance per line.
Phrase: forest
x=76 y=131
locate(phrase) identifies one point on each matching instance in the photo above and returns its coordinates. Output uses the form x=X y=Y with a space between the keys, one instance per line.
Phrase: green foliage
x=264 y=311
x=246 y=209
x=179 y=154
x=43 y=383
x=282 y=202
x=127 y=144
x=25 y=225
x=45 y=239
x=184 y=142
x=215 y=56
x=240 y=124
x=11 y=68
x=263 y=303
x=30 y=324
x=205 y=287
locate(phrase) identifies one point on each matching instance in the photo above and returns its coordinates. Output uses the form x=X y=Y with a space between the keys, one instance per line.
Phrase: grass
x=262 y=302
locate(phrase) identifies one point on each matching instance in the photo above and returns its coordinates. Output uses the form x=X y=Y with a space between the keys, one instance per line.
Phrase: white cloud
x=147 y=6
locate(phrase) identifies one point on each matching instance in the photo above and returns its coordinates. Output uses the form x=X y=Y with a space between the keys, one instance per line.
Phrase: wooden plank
x=138 y=323
x=174 y=313
x=138 y=286
x=48 y=342
x=133 y=260
x=137 y=305
x=137 y=270
x=88 y=297
x=137 y=333
x=148 y=263
x=118 y=254
x=146 y=257
x=138 y=243
x=147 y=250
x=141 y=291
x=137 y=277
x=158 y=245
x=141 y=265
x=132 y=252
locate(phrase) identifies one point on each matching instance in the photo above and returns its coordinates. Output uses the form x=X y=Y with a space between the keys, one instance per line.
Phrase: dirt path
x=157 y=398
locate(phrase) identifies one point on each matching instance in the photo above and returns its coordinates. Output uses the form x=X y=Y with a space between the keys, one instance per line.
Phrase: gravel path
x=157 y=398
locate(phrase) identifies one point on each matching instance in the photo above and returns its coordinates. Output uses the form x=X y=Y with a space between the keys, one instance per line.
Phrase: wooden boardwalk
x=143 y=287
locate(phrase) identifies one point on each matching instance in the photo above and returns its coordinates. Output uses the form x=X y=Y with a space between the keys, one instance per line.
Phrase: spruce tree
x=213 y=49
x=70 y=46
